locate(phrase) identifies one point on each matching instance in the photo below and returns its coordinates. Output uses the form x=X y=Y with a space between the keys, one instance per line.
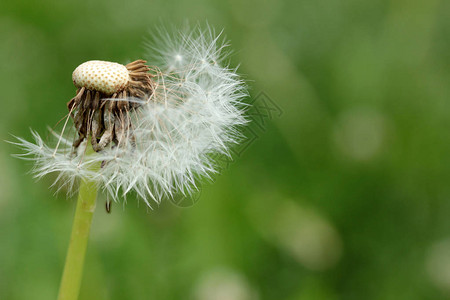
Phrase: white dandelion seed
x=153 y=128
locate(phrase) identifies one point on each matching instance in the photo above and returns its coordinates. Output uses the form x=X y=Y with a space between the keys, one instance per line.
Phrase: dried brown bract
x=101 y=108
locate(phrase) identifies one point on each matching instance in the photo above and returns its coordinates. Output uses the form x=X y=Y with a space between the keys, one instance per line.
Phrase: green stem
x=73 y=269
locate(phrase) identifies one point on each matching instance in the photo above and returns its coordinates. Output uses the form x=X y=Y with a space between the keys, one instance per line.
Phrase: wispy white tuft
x=195 y=111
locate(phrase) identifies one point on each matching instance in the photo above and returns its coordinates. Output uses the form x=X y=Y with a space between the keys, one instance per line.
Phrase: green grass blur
x=346 y=195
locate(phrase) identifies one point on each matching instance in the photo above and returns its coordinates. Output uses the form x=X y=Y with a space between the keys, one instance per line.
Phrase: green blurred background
x=345 y=195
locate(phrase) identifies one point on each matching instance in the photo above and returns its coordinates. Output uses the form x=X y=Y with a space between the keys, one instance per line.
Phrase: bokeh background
x=341 y=191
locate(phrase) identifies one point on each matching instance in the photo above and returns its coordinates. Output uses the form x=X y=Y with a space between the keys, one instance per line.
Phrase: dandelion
x=148 y=128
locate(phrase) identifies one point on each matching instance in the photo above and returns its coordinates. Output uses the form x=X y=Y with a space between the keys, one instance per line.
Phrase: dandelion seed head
x=192 y=108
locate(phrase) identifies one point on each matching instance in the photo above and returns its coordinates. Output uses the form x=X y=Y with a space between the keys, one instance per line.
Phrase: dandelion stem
x=73 y=269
